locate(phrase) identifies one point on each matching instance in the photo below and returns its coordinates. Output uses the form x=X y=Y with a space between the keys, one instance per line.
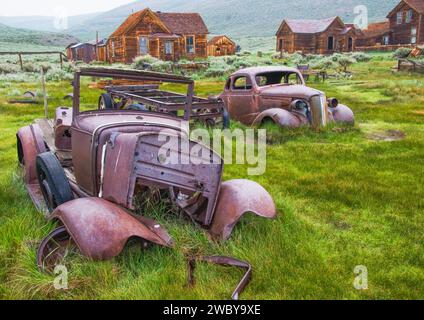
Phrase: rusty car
x=257 y=95
x=85 y=167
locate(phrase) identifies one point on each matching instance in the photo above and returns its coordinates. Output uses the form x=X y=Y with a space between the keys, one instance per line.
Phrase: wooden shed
x=221 y=46
x=324 y=36
x=85 y=52
x=166 y=36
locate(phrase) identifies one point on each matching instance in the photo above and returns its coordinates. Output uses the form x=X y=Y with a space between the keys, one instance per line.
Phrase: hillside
x=26 y=36
x=238 y=18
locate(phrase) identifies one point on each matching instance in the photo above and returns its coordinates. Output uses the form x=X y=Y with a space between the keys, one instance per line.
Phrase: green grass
x=343 y=200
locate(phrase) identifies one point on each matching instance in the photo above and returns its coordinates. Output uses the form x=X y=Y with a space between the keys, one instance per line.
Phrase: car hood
x=293 y=91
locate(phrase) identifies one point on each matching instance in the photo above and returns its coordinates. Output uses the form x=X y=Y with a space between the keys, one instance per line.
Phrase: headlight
x=333 y=102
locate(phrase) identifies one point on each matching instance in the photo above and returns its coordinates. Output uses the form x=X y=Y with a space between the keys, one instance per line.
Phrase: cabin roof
x=216 y=39
x=417 y=5
x=183 y=23
x=310 y=26
x=177 y=23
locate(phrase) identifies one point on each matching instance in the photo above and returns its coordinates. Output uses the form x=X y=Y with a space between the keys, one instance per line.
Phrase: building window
x=386 y=40
x=408 y=16
x=144 y=46
x=399 y=19
x=113 y=48
x=190 y=44
x=169 y=47
x=330 y=43
x=242 y=83
x=413 y=35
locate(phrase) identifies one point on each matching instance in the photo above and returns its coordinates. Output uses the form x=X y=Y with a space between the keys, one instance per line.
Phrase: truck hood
x=295 y=91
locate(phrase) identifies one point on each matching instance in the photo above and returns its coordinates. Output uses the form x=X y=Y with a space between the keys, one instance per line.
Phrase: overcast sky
x=52 y=7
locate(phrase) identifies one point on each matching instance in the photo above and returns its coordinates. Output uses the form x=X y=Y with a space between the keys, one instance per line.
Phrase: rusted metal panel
x=101 y=229
x=236 y=198
x=226 y=262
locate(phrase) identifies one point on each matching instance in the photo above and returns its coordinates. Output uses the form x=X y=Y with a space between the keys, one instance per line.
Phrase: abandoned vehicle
x=257 y=95
x=166 y=36
x=324 y=36
x=88 y=167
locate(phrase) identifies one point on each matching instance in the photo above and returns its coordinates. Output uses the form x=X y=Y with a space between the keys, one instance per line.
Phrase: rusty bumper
x=100 y=229
x=236 y=198
x=226 y=262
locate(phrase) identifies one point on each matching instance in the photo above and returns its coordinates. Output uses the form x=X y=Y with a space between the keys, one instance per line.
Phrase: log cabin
x=324 y=36
x=406 y=22
x=166 y=36
x=378 y=33
x=221 y=46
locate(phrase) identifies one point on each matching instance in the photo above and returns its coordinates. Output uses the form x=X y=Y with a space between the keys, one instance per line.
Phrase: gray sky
x=52 y=7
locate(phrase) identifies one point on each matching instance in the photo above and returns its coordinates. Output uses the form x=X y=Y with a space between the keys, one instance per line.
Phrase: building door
x=413 y=35
x=386 y=40
x=144 y=46
x=330 y=43
x=350 y=44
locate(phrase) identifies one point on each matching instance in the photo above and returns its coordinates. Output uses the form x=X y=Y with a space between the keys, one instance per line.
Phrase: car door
x=240 y=100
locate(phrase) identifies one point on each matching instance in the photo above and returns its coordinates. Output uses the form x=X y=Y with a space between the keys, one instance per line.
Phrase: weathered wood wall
x=402 y=32
x=221 y=47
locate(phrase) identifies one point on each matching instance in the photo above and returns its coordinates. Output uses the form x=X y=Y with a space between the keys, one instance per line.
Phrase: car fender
x=281 y=117
x=30 y=143
x=343 y=113
x=101 y=229
x=236 y=198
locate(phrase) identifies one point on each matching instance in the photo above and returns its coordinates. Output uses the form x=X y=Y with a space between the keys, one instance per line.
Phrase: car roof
x=257 y=70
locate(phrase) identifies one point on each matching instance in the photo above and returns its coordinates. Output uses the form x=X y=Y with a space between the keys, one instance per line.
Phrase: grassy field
x=345 y=197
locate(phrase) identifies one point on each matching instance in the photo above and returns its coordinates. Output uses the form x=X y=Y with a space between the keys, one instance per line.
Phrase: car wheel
x=106 y=102
x=53 y=182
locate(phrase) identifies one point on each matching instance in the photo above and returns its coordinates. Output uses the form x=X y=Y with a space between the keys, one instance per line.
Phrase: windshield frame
x=285 y=74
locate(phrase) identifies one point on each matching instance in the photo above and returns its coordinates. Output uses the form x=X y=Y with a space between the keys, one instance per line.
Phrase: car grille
x=319 y=111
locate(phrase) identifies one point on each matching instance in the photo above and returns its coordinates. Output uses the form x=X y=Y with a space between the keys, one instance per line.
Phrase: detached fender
x=101 y=229
x=30 y=143
x=343 y=113
x=282 y=117
x=236 y=198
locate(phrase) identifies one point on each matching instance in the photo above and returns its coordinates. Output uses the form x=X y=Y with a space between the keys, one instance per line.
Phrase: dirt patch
x=389 y=135
x=420 y=112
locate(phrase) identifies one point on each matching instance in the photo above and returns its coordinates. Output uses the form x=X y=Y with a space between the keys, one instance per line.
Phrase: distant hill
x=257 y=20
x=238 y=18
x=26 y=36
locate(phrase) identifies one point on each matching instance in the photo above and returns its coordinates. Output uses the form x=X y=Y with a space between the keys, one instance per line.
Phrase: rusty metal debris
x=254 y=96
x=226 y=262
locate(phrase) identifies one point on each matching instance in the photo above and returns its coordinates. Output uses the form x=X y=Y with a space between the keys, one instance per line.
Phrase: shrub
x=6 y=68
x=324 y=64
x=30 y=67
x=55 y=74
x=361 y=56
x=345 y=61
x=144 y=62
x=14 y=93
x=402 y=53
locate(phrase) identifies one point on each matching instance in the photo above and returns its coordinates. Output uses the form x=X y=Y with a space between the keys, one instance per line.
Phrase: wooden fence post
x=43 y=82
x=21 y=62
x=61 y=60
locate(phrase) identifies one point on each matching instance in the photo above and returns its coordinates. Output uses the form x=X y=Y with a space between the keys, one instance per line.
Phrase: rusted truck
x=258 y=95
x=87 y=166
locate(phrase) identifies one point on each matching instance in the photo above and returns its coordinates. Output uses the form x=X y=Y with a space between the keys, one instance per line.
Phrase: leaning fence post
x=61 y=60
x=43 y=82
x=20 y=61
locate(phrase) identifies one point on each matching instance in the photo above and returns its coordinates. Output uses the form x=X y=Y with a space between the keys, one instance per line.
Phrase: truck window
x=242 y=83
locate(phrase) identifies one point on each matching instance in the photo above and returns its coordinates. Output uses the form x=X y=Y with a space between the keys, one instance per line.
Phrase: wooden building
x=221 y=46
x=85 y=52
x=377 y=34
x=166 y=36
x=324 y=36
x=406 y=22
